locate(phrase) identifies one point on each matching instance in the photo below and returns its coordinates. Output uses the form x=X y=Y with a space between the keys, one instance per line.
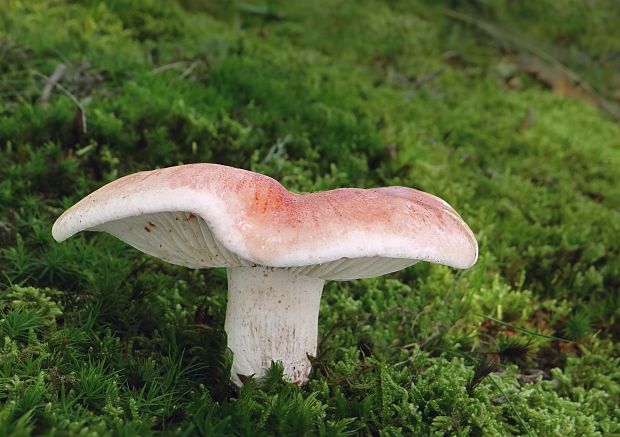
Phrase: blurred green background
x=506 y=109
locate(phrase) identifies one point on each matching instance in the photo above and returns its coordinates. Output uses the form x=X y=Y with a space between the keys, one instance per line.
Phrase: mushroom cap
x=209 y=215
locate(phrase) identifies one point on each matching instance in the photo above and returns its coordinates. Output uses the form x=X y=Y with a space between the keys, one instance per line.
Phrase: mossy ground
x=97 y=338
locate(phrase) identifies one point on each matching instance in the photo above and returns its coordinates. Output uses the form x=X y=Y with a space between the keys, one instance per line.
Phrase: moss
x=98 y=339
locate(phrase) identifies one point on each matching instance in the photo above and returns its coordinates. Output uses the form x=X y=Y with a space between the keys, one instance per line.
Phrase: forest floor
x=508 y=110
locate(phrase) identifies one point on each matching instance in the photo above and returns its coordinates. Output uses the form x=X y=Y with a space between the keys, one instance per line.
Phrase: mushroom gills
x=177 y=237
x=185 y=239
x=346 y=269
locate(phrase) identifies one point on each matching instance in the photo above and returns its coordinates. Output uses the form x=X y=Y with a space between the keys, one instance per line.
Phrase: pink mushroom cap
x=209 y=215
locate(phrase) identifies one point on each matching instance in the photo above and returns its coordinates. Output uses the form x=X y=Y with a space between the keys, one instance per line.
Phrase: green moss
x=99 y=339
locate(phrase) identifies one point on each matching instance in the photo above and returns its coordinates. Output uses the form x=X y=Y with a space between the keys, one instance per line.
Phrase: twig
x=579 y=81
x=170 y=66
x=52 y=82
x=189 y=70
x=73 y=99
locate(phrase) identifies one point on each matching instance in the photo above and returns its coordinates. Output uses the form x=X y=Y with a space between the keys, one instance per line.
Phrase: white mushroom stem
x=272 y=315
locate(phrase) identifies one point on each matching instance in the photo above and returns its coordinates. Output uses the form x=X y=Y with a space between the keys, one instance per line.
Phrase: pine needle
x=525 y=330
x=501 y=390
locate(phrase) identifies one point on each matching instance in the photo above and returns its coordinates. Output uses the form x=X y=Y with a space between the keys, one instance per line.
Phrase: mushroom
x=279 y=248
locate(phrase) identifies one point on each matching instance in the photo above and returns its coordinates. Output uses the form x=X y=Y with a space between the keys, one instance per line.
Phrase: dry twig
x=52 y=82
x=81 y=112
x=561 y=71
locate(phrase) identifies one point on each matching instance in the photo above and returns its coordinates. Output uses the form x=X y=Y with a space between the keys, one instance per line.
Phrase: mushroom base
x=272 y=315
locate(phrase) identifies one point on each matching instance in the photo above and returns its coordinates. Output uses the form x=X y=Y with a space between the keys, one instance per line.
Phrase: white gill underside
x=185 y=239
